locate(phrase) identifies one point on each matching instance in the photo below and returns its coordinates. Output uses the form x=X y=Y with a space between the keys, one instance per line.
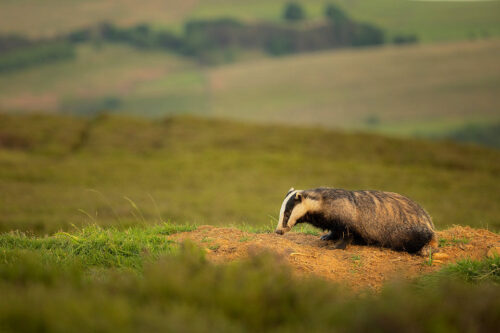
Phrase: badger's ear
x=289 y=191
x=298 y=196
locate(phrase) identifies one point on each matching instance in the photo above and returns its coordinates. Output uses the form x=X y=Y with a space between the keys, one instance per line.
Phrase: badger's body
x=372 y=217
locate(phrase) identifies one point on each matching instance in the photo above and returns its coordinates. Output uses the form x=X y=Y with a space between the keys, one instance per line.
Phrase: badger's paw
x=328 y=236
x=344 y=242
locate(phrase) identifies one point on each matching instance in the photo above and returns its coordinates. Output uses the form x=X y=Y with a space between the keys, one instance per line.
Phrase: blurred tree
x=294 y=12
x=335 y=14
x=36 y=54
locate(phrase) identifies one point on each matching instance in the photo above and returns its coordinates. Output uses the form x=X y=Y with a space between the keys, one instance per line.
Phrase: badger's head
x=296 y=205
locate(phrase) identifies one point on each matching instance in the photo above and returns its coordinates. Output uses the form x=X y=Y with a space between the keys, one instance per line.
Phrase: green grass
x=431 y=21
x=468 y=270
x=94 y=246
x=245 y=239
x=214 y=247
x=453 y=241
x=45 y=286
x=57 y=171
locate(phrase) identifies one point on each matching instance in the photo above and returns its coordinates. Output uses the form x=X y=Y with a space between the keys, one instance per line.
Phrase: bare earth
x=357 y=266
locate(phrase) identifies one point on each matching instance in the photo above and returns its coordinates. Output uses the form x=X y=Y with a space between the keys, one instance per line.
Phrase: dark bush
x=36 y=55
x=294 y=12
x=279 y=45
x=335 y=14
x=168 y=41
x=367 y=34
x=209 y=41
x=90 y=106
x=79 y=36
x=202 y=36
x=405 y=39
x=488 y=135
x=12 y=42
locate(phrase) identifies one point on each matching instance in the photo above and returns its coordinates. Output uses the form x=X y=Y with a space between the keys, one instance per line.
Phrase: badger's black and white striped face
x=295 y=206
x=286 y=211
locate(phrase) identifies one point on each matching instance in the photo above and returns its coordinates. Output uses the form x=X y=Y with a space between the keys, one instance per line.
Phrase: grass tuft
x=95 y=246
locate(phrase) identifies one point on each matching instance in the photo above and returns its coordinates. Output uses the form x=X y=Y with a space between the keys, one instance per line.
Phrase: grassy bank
x=105 y=280
x=94 y=246
x=57 y=171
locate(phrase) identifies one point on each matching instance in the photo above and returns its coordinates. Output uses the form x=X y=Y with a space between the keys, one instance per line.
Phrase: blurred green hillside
x=56 y=171
x=421 y=89
x=429 y=20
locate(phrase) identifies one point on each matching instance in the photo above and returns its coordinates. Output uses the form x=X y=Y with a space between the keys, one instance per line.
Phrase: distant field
x=426 y=89
x=149 y=83
x=415 y=89
x=51 y=17
x=430 y=20
x=56 y=172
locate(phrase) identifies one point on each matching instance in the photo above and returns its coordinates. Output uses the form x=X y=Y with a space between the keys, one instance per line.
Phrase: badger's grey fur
x=370 y=217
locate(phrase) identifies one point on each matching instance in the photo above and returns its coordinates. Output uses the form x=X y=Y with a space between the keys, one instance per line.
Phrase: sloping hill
x=406 y=90
x=57 y=171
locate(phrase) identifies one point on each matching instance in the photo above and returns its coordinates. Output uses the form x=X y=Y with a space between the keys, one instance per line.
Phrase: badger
x=365 y=217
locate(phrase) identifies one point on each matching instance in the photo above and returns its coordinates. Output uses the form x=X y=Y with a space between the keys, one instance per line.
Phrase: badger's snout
x=279 y=232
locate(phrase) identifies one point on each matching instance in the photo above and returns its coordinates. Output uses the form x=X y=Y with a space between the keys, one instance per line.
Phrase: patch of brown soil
x=356 y=266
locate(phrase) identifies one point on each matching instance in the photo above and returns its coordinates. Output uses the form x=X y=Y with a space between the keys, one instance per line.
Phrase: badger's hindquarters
x=383 y=218
x=390 y=220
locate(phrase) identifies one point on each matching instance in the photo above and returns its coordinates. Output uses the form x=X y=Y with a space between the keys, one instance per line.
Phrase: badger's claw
x=328 y=236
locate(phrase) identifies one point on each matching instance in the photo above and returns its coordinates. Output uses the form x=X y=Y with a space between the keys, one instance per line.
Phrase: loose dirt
x=357 y=266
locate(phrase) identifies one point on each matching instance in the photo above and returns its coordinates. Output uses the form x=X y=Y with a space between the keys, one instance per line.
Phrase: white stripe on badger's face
x=301 y=206
x=282 y=210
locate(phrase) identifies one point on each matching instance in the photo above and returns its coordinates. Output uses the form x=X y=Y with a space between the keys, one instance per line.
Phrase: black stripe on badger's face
x=286 y=210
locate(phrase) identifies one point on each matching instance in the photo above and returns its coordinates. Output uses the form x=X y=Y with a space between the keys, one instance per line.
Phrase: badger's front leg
x=342 y=243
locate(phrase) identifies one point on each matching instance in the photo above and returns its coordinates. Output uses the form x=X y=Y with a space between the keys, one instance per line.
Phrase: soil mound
x=357 y=266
